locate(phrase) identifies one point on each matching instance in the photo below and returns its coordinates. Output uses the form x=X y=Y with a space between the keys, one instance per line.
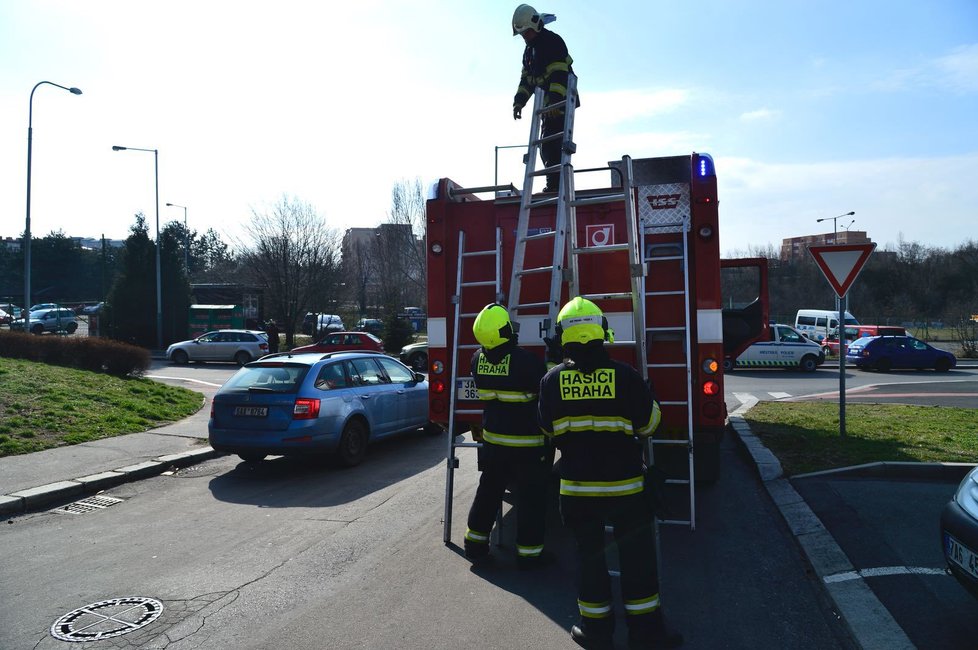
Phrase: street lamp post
x=159 y=287
x=186 y=237
x=27 y=225
x=841 y=306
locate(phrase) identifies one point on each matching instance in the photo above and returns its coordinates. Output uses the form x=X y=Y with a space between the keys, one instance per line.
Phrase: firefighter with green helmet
x=598 y=411
x=514 y=450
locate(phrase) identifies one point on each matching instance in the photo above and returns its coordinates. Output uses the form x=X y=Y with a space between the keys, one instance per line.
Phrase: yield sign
x=841 y=264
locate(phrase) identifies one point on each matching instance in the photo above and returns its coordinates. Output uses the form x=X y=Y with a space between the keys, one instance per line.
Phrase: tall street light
x=159 y=291
x=27 y=226
x=835 y=222
x=186 y=237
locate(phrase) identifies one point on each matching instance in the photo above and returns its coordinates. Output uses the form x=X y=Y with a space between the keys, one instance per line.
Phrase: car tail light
x=212 y=410
x=305 y=409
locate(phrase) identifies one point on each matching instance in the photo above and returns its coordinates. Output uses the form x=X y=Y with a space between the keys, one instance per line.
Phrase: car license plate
x=251 y=411
x=466 y=390
x=961 y=555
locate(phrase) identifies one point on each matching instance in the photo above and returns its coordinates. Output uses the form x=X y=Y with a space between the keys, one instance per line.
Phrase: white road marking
x=194 y=381
x=883 y=571
x=779 y=395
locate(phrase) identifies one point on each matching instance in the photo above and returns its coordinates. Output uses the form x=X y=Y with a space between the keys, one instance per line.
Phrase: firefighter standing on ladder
x=546 y=65
x=514 y=449
x=595 y=408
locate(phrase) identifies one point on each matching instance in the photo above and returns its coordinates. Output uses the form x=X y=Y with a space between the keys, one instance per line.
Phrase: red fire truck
x=471 y=249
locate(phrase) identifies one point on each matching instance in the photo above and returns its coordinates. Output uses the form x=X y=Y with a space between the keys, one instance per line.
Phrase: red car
x=854 y=332
x=336 y=341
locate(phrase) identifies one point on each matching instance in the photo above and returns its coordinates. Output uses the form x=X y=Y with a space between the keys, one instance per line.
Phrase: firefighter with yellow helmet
x=546 y=64
x=514 y=449
x=597 y=411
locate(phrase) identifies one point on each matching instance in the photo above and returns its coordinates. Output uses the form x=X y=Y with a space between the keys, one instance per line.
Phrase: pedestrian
x=598 y=412
x=272 y=330
x=514 y=450
x=546 y=65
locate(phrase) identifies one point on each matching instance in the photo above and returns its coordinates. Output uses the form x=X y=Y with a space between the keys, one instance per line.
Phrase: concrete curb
x=34 y=498
x=869 y=622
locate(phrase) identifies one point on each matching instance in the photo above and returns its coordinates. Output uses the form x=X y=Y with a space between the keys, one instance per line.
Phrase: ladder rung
x=484 y=283
x=531 y=305
x=664 y=258
x=551 y=107
x=553 y=169
x=670 y=442
x=549 y=138
x=665 y=293
x=479 y=253
x=597 y=200
x=538 y=269
x=610 y=248
x=677 y=481
x=665 y=365
x=670 y=224
x=682 y=522
x=468 y=411
x=677 y=328
x=550 y=200
x=674 y=403
x=466 y=444
x=606 y=296
x=621 y=343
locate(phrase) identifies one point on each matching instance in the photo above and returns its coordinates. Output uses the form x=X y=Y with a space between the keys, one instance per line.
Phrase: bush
x=397 y=333
x=94 y=354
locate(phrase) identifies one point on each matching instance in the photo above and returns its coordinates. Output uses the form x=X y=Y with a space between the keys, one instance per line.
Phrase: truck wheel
x=808 y=363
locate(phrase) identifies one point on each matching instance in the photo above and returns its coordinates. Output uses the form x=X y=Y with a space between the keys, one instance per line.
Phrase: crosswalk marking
x=779 y=395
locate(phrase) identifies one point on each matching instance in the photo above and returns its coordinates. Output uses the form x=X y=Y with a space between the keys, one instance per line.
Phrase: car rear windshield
x=268 y=378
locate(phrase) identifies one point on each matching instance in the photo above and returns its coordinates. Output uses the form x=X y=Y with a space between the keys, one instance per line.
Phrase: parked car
x=5 y=318
x=327 y=323
x=44 y=305
x=48 y=320
x=372 y=325
x=337 y=341
x=786 y=347
x=12 y=310
x=853 y=332
x=314 y=403
x=884 y=353
x=92 y=309
x=416 y=356
x=959 y=533
x=239 y=346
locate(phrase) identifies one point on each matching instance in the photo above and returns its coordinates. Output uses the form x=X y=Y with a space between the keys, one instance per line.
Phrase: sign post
x=841 y=266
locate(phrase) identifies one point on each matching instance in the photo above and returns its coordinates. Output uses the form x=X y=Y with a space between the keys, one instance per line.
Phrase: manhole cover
x=106 y=619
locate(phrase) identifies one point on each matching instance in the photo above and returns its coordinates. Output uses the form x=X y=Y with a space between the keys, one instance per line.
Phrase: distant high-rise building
x=793 y=248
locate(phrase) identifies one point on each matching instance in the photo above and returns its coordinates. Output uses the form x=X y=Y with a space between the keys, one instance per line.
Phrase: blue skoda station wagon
x=298 y=404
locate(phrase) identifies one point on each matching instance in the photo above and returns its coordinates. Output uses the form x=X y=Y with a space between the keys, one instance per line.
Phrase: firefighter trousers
x=530 y=480
x=634 y=535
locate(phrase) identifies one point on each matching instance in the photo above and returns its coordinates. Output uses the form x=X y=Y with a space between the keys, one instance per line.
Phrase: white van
x=817 y=324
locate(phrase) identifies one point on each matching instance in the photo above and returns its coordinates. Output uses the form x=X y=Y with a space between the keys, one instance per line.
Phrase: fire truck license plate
x=465 y=390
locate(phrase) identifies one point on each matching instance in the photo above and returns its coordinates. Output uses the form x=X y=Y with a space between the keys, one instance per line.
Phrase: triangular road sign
x=841 y=264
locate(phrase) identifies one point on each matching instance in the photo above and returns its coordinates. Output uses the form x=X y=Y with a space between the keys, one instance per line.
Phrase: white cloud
x=759 y=115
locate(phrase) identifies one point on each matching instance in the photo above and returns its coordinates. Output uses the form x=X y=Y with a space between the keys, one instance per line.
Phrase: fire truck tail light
x=438 y=386
x=710 y=366
x=711 y=388
x=437 y=367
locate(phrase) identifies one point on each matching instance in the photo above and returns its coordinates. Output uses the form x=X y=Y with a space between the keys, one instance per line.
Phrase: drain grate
x=97 y=502
x=106 y=619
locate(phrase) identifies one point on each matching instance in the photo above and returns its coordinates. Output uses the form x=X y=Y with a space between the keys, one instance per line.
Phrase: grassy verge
x=805 y=435
x=44 y=406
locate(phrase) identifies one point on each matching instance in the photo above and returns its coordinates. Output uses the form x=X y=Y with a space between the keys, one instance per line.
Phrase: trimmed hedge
x=85 y=353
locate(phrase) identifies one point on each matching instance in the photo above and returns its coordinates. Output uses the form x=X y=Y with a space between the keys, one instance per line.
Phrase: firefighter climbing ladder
x=672 y=253
x=460 y=284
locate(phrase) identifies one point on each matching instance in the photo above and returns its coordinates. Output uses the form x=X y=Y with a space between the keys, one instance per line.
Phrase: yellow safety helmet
x=581 y=321
x=492 y=326
x=526 y=17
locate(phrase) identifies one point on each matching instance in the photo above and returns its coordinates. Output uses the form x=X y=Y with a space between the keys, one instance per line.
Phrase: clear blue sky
x=810 y=109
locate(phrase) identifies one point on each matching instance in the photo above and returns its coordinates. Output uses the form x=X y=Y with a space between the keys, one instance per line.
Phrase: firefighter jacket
x=508 y=378
x=596 y=420
x=546 y=64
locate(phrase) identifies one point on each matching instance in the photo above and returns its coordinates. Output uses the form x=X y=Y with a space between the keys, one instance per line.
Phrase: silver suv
x=48 y=320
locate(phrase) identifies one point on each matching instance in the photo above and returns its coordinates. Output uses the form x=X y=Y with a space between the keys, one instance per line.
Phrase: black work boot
x=477 y=554
x=593 y=636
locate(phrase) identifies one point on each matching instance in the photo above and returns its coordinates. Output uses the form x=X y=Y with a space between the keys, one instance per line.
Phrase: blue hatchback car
x=884 y=353
x=297 y=404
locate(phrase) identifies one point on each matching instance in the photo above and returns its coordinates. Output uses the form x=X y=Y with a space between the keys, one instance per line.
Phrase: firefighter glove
x=517 y=111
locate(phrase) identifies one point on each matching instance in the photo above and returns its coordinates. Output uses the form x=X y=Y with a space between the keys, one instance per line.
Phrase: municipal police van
x=786 y=347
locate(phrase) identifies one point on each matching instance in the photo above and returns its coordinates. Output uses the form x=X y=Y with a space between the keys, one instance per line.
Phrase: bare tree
x=294 y=256
x=406 y=239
